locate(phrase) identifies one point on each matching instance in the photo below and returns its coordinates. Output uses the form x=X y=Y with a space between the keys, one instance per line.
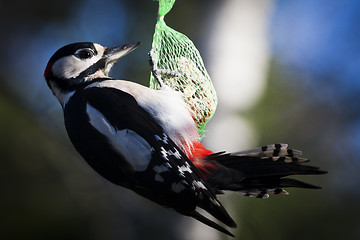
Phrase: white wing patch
x=159 y=170
x=176 y=121
x=177 y=187
x=126 y=142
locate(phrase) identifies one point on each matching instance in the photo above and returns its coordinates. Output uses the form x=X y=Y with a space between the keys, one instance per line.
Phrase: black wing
x=99 y=120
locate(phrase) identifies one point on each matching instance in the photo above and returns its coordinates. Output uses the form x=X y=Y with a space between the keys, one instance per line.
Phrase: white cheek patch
x=126 y=142
x=71 y=66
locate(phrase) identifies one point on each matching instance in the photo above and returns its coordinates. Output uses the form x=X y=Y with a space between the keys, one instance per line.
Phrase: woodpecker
x=146 y=140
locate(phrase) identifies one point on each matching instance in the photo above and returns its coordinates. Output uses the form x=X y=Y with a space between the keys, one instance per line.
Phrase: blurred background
x=285 y=71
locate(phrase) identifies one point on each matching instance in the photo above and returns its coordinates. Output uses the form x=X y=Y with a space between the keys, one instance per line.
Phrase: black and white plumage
x=147 y=141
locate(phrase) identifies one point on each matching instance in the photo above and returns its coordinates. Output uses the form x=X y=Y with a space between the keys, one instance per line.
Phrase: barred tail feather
x=256 y=193
x=259 y=172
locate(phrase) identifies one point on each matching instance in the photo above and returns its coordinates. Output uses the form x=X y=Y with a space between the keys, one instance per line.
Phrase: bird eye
x=84 y=53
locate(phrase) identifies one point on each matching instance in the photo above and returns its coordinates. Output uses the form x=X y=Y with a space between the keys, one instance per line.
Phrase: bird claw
x=157 y=73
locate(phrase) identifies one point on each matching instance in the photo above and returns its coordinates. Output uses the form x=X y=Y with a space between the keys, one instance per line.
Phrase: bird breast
x=166 y=106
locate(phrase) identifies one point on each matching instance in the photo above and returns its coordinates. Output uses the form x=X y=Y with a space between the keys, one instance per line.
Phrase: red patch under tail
x=197 y=155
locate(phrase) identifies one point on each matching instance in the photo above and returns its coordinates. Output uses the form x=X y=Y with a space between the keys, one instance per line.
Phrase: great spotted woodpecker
x=147 y=141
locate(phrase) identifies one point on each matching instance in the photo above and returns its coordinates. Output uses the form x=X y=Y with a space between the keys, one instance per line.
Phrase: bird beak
x=111 y=55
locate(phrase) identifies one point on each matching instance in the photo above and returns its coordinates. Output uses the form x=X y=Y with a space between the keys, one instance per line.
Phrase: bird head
x=77 y=64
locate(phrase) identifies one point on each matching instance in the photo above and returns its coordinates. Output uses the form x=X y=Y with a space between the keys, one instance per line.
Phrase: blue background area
x=322 y=38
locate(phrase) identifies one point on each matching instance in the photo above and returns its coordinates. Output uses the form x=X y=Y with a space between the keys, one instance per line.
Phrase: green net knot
x=165 y=6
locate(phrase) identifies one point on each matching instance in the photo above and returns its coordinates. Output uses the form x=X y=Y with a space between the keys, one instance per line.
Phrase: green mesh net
x=175 y=52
